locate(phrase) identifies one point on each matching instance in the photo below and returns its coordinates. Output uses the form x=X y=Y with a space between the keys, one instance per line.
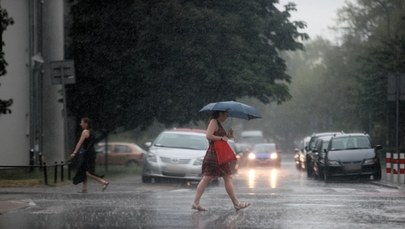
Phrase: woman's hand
x=230 y=133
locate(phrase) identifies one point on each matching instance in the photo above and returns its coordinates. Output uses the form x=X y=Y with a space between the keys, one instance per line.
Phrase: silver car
x=176 y=153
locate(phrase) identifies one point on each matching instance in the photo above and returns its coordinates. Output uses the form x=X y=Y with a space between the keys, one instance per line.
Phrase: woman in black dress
x=210 y=167
x=87 y=157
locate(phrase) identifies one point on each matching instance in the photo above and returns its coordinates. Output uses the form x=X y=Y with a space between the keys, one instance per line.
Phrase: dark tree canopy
x=143 y=60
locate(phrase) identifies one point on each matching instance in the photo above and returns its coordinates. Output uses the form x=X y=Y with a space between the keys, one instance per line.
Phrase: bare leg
x=98 y=179
x=229 y=189
x=200 y=190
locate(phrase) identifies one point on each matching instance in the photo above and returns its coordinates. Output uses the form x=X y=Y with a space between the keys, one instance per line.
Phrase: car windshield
x=264 y=148
x=184 y=141
x=350 y=142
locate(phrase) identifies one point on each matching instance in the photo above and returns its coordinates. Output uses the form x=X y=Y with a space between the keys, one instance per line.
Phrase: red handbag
x=224 y=152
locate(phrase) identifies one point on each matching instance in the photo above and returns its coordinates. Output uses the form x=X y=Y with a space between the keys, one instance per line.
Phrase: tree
x=140 y=60
x=377 y=30
x=5 y=21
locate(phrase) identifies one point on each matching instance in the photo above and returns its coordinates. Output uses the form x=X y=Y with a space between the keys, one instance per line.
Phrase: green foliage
x=344 y=87
x=5 y=21
x=377 y=32
x=138 y=61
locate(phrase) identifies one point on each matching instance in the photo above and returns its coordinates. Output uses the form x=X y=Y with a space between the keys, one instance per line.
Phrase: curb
x=386 y=185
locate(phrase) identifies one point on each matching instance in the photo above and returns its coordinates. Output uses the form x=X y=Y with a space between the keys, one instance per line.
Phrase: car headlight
x=252 y=156
x=370 y=161
x=151 y=157
x=199 y=161
x=333 y=163
x=273 y=156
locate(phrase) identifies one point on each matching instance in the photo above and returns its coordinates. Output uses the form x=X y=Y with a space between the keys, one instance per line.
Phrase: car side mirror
x=378 y=147
x=306 y=148
x=325 y=150
x=314 y=151
x=148 y=144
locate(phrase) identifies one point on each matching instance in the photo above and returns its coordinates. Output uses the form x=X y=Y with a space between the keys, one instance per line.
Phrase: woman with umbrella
x=210 y=167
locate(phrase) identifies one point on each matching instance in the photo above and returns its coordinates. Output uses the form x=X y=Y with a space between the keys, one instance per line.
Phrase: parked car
x=318 y=154
x=311 y=146
x=265 y=154
x=119 y=153
x=301 y=152
x=346 y=155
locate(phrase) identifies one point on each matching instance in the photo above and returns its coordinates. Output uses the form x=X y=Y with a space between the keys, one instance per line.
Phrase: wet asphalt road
x=281 y=198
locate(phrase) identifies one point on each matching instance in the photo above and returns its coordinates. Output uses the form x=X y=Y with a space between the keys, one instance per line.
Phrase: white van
x=252 y=137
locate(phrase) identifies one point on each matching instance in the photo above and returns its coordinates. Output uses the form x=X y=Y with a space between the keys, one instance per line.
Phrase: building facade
x=36 y=123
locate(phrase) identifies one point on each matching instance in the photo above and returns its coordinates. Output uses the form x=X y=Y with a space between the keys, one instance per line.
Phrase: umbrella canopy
x=234 y=109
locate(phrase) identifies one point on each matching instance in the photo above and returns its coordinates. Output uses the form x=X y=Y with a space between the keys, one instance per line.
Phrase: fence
x=44 y=167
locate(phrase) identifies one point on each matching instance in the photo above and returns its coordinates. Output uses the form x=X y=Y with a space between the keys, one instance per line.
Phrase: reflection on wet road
x=254 y=173
x=281 y=198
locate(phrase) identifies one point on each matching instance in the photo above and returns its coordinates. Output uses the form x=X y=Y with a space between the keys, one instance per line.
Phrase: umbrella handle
x=230 y=133
x=229 y=125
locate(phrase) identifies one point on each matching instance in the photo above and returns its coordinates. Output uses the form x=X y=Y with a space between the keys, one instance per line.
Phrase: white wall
x=14 y=127
x=53 y=144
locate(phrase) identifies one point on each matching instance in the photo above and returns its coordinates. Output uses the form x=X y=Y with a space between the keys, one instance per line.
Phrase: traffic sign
x=62 y=72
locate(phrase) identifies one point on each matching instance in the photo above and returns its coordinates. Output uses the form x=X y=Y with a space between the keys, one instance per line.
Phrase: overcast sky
x=318 y=14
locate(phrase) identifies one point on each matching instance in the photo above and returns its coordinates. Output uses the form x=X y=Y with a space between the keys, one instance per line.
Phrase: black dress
x=87 y=160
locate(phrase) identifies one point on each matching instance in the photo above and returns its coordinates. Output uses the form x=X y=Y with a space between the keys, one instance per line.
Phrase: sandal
x=241 y=205
x=198 y=207
x=105 y=186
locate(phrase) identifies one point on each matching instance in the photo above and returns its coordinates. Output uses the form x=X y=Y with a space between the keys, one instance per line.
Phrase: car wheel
x=325 y=175
x=297 y=165
x=310 y=171
x=132 y=163
x=215 y=181
x=377 y=175
x=316 y=175
x=146 y=179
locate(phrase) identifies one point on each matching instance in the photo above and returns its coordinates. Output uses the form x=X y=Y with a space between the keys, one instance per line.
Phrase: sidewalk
x=12 y=198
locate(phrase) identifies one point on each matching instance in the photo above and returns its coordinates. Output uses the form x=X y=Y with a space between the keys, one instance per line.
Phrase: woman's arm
x=85 y=134
x=212 y=127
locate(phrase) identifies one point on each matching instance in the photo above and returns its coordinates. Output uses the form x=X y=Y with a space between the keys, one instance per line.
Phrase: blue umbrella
x=234 y=109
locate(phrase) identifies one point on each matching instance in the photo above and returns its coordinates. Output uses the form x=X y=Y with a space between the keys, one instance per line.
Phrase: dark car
x=318 y=154
x=265 y=154
x=346 y=155
x=310 y=150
